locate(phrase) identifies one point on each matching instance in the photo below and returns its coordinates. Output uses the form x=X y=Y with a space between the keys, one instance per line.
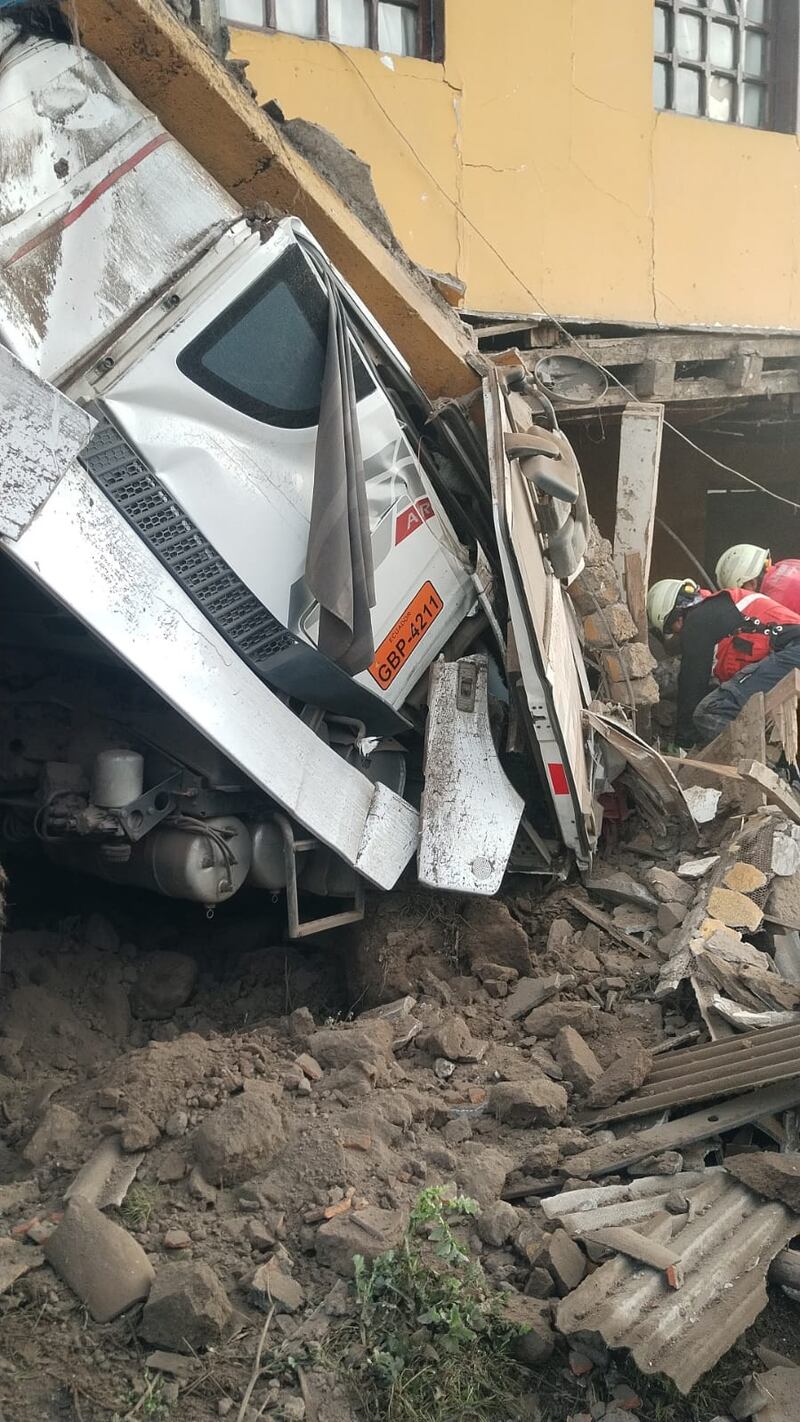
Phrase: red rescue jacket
x=782 y=583
x=741 y=649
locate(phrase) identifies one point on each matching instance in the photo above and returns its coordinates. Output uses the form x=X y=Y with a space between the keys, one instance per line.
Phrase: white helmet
x=740 y=565
x=662 y=599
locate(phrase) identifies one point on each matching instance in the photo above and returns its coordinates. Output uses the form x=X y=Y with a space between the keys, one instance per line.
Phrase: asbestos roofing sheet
x=726 y=1240
x=710 y=1072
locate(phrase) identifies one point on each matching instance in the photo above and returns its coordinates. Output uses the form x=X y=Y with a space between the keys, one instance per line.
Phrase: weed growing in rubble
x=139 y=1204
x=151 y=1403
x=436 y=1345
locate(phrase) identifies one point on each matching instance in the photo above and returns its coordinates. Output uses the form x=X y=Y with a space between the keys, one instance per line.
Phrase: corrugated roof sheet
x=727 y=1239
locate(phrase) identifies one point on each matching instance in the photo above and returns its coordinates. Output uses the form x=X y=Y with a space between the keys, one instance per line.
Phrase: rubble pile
x=186 y=1152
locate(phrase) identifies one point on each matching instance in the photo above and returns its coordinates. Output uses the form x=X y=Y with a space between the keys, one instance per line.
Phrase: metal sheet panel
x=726 y=1240
x=41 y=431
x=470 y=810
x=712 y=1072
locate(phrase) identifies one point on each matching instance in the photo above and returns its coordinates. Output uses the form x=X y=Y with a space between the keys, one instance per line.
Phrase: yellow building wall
x=533 y=166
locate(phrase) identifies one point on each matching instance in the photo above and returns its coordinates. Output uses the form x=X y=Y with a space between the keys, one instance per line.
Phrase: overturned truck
x=271 y=622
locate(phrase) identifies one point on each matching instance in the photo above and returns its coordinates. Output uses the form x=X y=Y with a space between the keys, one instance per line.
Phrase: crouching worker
x=745 y=640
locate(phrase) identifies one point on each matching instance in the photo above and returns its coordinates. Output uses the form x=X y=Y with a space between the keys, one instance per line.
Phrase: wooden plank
x=604 y=921
x=776 y=790
x=636 y=594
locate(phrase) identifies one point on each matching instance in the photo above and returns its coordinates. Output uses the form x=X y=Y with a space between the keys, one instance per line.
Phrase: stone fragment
x=21 y=1193
x=532 y=992
x=177 y=1239
x=633 y=660
x=456 y=1132
x=619 y=887
x=613 y=625
x=767 y=1173
x=785 y=858
x=668 y=887
x=566 y=1261
x=301 y=1023
x=16 y=1259
x=537 y=1102
x=368 y=1232
x=626 y=1074
x=593 y=586
x=542 y=1160
x=539 y=1284
x=106 y=1176
x=187 y=1308
x=536 y=1344
x=176 y=1124
x=308 y=1066
x=165 y=982
x=703 y=802
x=490 y=932
x=394 y=1011
x=176 y=1364
x=576 y=1059
x=270 y=1287
x=694 y=869
x=241 y=1138
x=671 y=916
x=482 y=1170
x=58 y=1137
x=103 y=1264
x=171 y=1168
x=496 y=1225
x=342 y=1046
x=138 y=1132
x=670 y=1162
x=547 y=1020
x=733 y=909
x=450 y=1039
x=744 y=878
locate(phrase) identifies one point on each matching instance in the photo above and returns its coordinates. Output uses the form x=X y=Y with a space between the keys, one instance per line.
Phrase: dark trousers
x=723 y=704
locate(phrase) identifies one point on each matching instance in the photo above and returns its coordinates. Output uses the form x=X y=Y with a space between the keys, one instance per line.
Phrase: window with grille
x=411 y=27
x=734 y=61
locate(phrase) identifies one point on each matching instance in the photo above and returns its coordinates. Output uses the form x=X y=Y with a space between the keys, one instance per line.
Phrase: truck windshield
x=265 y=355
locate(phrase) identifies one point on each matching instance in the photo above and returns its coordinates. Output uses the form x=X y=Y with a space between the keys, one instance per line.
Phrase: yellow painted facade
x=533 y=166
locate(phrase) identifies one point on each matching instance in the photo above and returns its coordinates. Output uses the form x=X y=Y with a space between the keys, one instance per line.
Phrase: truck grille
x=235 y=611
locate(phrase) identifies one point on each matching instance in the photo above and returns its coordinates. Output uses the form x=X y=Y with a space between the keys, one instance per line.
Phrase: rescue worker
x=747 y=566
x=744 y=639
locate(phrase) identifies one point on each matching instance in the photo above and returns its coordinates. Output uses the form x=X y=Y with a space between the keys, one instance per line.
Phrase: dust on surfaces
x=270 y=1111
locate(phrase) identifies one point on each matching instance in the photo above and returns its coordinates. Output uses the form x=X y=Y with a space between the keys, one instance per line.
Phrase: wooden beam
x=172 y=73
x=637 y=485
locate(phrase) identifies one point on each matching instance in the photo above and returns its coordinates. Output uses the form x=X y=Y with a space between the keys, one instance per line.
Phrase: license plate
x=405 y=636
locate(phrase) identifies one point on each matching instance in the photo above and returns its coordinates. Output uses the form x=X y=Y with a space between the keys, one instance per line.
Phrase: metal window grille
x=411 y=27
x=734 y=61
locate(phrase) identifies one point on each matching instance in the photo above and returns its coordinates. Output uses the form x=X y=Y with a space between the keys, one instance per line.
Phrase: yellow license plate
x=405 y=636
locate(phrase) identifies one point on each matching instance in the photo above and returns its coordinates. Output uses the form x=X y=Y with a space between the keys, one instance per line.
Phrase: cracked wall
x=533 y=166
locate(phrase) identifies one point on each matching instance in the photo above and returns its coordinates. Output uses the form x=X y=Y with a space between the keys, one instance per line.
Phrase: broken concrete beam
x=172 y=72
x=612 y=625
x=620 y=888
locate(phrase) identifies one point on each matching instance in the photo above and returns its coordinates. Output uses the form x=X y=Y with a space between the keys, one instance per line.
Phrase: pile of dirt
x=200 y=1131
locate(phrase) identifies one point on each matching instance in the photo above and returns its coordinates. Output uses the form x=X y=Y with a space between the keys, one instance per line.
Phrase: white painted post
x=637 y=484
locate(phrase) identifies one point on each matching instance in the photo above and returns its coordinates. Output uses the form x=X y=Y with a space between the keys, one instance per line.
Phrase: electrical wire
x=574 y=341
